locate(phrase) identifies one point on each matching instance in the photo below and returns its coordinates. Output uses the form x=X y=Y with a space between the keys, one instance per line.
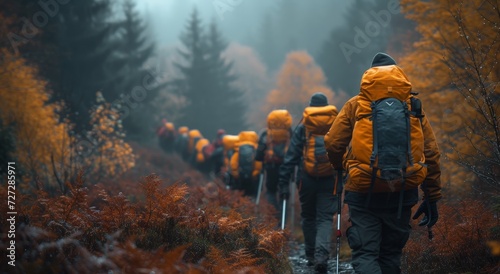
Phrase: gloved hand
x=284 y=192
x=430 y=211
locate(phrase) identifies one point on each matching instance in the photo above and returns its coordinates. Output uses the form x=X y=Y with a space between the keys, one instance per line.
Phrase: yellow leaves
x=23 y=103
x=455 y=70
x=112 y=156
x=298 y=79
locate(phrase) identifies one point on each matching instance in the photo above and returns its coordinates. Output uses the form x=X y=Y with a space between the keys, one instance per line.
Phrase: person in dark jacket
x=181 y=142
x=218 y=153
x=378 y=235
x=271 y=168
x=318 y=204
x=166 y=136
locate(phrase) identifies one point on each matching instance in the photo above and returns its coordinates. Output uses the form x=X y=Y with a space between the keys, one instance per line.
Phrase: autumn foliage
x=460 y=243
x=84 y=206
x=298 y=79
x=81 y=208
x=42 y=140
x=172 y=229
x=110 y=156
x=455 y=68
x=47 y=150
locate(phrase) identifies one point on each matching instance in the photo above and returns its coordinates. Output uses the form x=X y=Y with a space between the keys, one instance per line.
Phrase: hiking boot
x=321 y=268
x=310 y=261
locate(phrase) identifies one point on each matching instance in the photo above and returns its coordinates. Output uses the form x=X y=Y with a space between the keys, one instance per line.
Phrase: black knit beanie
x=382 y=59
x=318 y=100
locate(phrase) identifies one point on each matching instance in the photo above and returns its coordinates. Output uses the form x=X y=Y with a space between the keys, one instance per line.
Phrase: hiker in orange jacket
x=376 y=127
x=316 y=181
x=273 y=143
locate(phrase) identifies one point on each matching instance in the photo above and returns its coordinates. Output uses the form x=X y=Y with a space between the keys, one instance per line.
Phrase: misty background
x=300 y=24
x=206 y=64
x=272 y=29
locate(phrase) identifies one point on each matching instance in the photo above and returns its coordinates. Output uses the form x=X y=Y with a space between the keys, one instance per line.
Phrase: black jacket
x=261 y=149
x=293 y=156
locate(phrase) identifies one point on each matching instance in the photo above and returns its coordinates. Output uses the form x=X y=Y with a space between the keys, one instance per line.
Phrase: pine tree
x=36 y=43
x=207 y=81
x=226 y=102
x=134 y=51
x=193 y=69
x=87 y=63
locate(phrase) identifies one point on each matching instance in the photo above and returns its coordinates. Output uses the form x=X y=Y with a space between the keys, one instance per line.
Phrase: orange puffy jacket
x=340 y=136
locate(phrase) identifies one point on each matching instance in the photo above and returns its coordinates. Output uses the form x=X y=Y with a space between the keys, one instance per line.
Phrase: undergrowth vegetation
x=155 y=227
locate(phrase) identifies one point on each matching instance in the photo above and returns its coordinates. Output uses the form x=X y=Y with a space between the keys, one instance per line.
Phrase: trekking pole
x=283 y=214
x=292 y=201
x=259 y=191
x=338 y=191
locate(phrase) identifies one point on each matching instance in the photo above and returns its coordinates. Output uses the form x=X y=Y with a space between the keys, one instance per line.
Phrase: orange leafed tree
x=43 y=148
x=298 y=79
x=455 y=66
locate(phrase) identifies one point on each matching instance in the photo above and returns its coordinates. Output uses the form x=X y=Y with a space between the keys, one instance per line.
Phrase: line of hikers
x=202 y=154
x=381 y=143
x=237 y=159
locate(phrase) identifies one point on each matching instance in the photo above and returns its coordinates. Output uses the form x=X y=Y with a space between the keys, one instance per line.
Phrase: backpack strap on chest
x=416 y=108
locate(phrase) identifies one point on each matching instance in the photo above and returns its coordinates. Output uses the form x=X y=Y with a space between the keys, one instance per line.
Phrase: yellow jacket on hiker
x=377 y=83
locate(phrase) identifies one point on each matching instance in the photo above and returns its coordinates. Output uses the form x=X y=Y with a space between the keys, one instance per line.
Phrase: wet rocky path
x=299 y=263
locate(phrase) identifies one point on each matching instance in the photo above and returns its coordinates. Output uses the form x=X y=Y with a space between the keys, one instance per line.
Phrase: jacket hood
x=385 y=81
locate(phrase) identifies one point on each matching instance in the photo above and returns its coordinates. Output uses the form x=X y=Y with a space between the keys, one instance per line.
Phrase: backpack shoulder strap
x=416 y=107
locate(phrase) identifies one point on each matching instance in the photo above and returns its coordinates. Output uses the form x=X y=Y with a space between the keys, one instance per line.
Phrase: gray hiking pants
x=318 y=205
x=377 y=238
